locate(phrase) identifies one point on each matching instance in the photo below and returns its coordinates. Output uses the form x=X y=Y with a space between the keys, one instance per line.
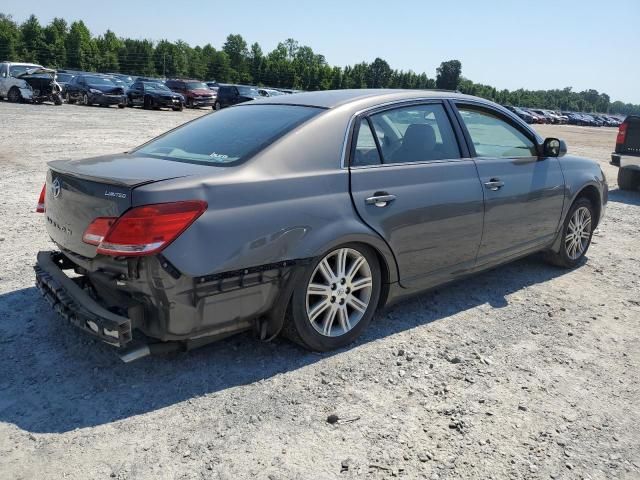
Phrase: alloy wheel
x=578 y=233
x=339 y=292
x=85 y=99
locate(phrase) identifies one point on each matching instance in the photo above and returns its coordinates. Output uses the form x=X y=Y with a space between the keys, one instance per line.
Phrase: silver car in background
x=304 y=214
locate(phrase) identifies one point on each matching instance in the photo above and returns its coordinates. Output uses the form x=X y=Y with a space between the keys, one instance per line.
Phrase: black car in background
x=95 y=89
x=233 y=94
x=627 y=153
x=153 y=95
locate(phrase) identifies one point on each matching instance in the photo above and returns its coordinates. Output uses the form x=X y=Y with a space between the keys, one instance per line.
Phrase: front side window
x=416 y=133
x=494 y=137
x=228 y=136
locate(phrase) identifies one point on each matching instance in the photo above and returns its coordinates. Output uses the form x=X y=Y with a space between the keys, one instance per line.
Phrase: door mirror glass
x=553 y=147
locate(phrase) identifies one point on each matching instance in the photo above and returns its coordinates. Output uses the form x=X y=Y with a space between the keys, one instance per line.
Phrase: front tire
x=577 y=232
x=14 y=95
x=85 y=99
x=217 y=106
x=628 y=179
x=336 y=299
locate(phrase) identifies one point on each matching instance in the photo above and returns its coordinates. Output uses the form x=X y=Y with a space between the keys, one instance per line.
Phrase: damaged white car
x=29 y=82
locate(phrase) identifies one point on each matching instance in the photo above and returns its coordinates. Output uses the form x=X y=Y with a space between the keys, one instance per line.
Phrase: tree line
x=290 y=65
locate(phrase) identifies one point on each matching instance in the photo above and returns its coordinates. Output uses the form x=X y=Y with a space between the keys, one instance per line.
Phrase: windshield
x=99 y=81
x=228 y=136
x=155 y=86
x=17 y=70
x=196 y=85
x=248 y=91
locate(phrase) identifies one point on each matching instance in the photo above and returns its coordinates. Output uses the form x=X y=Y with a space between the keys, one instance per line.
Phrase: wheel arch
x=591 y=193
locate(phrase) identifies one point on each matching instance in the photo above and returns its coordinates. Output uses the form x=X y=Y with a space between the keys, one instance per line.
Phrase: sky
x=539 y=44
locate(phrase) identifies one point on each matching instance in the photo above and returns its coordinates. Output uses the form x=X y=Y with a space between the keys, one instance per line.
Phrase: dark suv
x=195 y=92
x=627 y=153
x=232 y=94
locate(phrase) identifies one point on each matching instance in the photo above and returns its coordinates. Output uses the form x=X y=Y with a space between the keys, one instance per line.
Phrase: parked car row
x=539 y=115
x=105 y=89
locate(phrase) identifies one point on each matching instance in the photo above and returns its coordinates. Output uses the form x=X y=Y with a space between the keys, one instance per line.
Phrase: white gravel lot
x=527 y=371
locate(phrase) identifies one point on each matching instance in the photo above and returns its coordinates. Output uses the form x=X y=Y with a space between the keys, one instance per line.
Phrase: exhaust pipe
x=151 y=349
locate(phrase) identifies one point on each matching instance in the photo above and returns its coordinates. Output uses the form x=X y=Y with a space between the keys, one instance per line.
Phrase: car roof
x=21 y=64
x=367 y=97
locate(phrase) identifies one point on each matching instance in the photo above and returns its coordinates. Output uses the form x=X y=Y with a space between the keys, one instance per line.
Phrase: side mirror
x=553 y=147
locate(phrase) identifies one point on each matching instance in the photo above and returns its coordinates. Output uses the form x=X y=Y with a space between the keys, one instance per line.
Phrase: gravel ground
x=526 y=371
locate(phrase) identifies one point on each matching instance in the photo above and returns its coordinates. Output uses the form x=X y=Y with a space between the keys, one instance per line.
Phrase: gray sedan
x=304 y=214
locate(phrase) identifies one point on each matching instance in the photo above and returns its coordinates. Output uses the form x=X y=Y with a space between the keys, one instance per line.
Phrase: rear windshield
x=228 y=136
x=249 y=91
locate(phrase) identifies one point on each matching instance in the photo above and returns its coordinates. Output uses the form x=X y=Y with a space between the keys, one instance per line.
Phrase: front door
x=524 y=193
x=411 y=183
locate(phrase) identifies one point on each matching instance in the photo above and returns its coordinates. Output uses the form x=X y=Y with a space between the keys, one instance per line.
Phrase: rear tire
x=57 y=99
x=577 y=232
x=14 y=95
x=628 y=179
x=335 y=299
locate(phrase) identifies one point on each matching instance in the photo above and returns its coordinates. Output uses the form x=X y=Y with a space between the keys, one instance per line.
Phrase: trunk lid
x=79 y=191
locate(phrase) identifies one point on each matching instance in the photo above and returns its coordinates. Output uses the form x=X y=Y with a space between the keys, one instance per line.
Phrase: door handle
x=494 y=184
x=380 y=199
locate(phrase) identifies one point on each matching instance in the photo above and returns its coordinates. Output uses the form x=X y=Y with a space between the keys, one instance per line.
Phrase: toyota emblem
x=55 y=188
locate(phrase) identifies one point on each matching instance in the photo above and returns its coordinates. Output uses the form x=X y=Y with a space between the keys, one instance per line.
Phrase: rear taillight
x=143 y=230
x=622 y=133
x=40 y=206
x=97 y=230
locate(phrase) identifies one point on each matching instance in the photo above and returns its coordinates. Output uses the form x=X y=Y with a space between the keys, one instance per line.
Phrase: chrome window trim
x=405 y=164
x=407 y=102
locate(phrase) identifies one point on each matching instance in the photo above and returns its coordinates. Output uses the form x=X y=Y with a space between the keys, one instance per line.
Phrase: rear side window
x=228 y=136
x=417 y=133
x=495 y=137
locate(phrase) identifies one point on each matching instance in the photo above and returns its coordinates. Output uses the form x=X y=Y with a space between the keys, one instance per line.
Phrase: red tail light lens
x=40 y=206
x=622 y=133
x=97 y=230
x=148 y=229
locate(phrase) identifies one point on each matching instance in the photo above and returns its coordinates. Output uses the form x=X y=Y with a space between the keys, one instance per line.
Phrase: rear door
x=413 y=183
x=524 y=193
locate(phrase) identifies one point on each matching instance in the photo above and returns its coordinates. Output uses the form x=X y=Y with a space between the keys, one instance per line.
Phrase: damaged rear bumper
x=161 y=302
x=74 y=304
